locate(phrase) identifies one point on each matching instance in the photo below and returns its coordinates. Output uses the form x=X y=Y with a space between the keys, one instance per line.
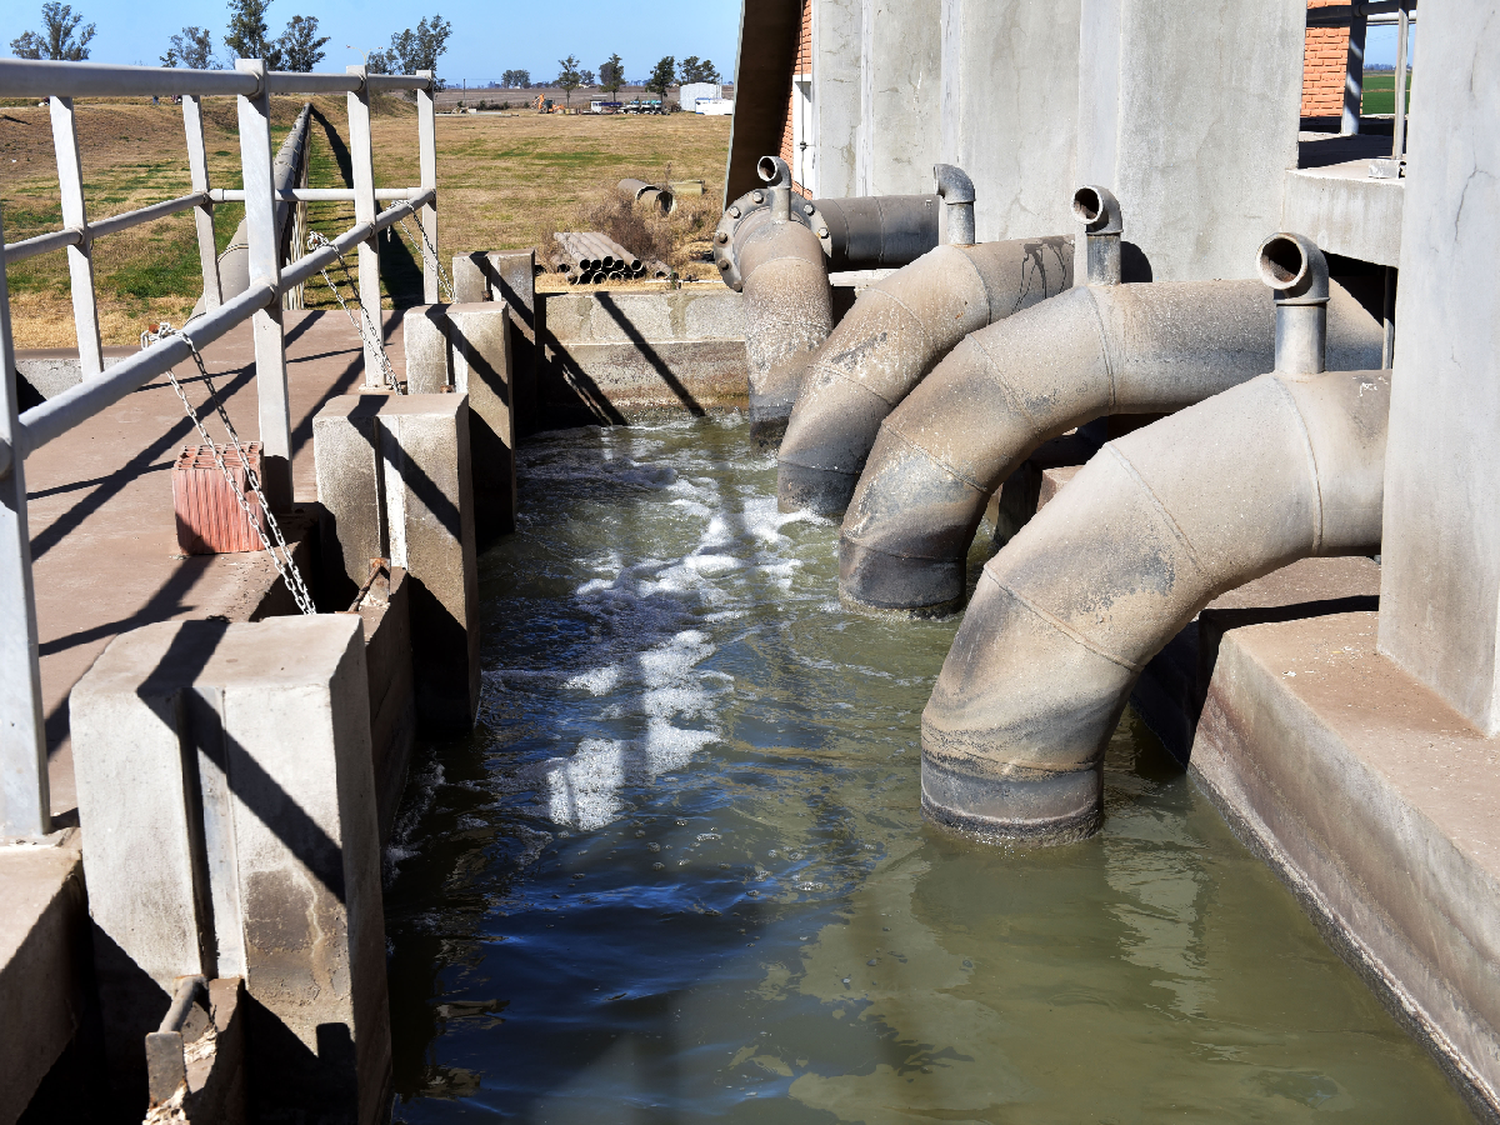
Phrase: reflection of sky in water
x=681 y=873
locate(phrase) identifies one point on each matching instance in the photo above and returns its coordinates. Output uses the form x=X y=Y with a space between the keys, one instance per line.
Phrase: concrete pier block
x=429 y=366
x=481 y=337
x=42 y=927
x=510 y=278
x=394 y=476
x=227 y=801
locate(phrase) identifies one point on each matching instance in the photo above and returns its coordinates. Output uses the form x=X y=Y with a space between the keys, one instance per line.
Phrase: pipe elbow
x=774 y=171
x=956 y=189
x=1098 y=210
x=1073 y=608
x=1294 y=267
x=1296 y=270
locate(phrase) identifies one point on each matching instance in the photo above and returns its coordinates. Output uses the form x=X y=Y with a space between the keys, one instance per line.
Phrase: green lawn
x=1380 y=92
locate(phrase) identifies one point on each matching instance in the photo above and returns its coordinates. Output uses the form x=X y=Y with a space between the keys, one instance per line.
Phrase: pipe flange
x=726 y=256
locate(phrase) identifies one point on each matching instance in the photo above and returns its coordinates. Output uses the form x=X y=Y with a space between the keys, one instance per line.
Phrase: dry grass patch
x=505 y=182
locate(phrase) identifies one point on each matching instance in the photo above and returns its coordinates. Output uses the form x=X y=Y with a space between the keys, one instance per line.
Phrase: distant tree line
x=299 y=47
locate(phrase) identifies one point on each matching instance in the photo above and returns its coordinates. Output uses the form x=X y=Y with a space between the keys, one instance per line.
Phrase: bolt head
x=734 y=212
x=807 y=208
x=723 y=263
x=759 y=197
x=722 y=237
x=822 y=232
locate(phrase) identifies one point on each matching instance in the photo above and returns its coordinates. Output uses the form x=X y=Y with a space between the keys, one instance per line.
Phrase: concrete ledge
x=614 y=357
x=1345 y=214
x=41 y=927
x=1376 y=802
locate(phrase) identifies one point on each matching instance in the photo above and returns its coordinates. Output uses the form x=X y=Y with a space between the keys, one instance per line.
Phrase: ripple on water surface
x=679 y=872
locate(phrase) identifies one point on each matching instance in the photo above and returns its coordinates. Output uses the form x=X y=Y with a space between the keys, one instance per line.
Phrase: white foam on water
x=597 y=681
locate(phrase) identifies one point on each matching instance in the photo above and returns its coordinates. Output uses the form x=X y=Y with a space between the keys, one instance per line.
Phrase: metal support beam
x=80 y=254
x=1354 y=77
x=256 y=159
x=24 y=797
x=362 y=157
x=208 y=251
x=427 y=153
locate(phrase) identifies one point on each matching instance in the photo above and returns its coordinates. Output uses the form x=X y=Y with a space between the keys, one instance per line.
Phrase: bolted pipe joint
x=956 y=190
x=1293 y=266
x=1099 y=212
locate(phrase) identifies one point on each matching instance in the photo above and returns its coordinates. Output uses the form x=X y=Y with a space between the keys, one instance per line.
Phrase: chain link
x=286 y=566
x=431 y=252
x=367 y=330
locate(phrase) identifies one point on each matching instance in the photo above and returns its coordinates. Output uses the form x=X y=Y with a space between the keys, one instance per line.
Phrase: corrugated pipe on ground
x=1006 y=389
x=889 y=341
x=652 y=195
x=875 y=232
x=1286 y=466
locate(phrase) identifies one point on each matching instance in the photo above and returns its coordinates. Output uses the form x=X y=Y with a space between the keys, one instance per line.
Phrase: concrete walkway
x=103 y=537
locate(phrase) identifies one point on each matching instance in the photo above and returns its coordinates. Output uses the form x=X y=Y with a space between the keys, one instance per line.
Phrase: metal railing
x=24 y=798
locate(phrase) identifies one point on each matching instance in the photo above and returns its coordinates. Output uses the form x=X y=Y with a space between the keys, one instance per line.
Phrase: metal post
x=1388 y=318
x=80 y=257
x=1403 y=30
x=25 y=801
x=208 y=250
x=256 y=161
x=427 y=152
x=362 y=156
x=1354 y=76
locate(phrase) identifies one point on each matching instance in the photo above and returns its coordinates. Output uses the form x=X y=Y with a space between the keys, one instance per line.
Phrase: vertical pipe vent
x=1294 y=267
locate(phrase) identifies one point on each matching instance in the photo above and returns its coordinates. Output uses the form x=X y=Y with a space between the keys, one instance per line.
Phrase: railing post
x=80 y=257
x=1398 y=133
x=24 y=795
x=1354 y=75
x=265 y=263
x=208 y=250
x=362 y=156
x=427 y=152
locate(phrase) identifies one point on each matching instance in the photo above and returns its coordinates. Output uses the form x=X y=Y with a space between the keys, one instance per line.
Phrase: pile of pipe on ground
x=589 y=257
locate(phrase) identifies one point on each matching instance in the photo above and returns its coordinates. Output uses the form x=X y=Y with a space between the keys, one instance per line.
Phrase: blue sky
x=489 y=36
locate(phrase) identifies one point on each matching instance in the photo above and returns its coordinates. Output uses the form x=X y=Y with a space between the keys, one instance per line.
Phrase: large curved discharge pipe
x=888 y=342
x=1286 y=466
x=862 y=233
x=788 y=305
x=1006 y=389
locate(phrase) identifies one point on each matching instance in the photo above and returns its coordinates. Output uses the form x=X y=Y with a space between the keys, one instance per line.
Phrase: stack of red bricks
x=210 y=520
x=1325 y=62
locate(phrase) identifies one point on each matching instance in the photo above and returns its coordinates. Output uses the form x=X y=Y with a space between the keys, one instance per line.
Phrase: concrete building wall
x=1440 y=595
x=1189 y=110
x=990 y=85
x=1010 y=109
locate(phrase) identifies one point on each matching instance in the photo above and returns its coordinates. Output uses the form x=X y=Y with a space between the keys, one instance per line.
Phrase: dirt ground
x=505 y=182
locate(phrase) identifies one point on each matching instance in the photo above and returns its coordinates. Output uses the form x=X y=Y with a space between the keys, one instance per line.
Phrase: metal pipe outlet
x=889 y=341
x=1099 y=212
x=1283 y=467
x=1006 y=389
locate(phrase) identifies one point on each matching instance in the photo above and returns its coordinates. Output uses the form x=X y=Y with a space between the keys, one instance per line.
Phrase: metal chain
x=286 y=566
x=367 y=331
x=432 y=252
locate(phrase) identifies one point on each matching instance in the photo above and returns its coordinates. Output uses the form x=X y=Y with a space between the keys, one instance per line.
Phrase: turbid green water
x=680 y=872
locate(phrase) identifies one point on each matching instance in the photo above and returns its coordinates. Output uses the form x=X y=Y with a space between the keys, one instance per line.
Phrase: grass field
x=1380 y=92
x=505 y=183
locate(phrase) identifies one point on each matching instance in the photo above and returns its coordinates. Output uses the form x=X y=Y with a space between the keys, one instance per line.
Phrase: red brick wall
x=1325 y=61
x=803 y=66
